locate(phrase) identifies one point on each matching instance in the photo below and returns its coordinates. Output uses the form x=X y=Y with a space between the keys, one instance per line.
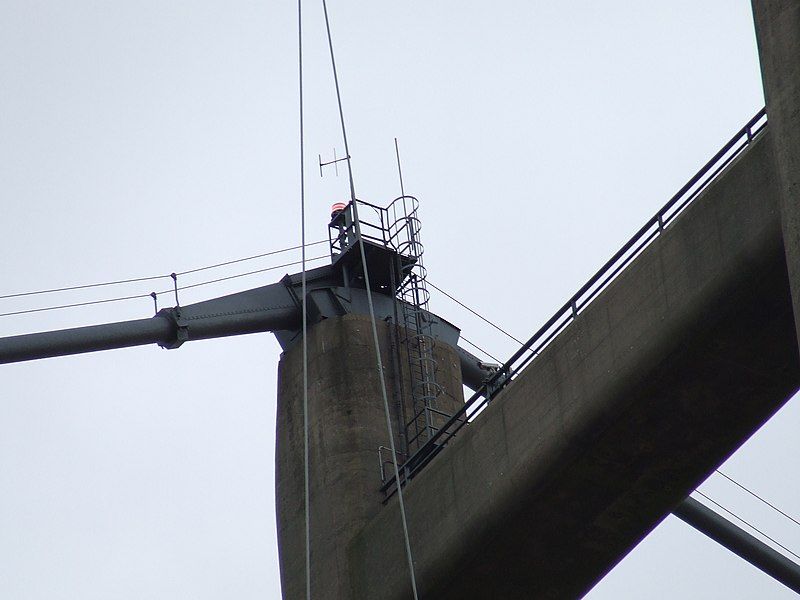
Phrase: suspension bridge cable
x=477 y=314
x=136 y=296
x=752 y=493
x=306 y=484
x=379 y=361
x=153 y=277
x=750 y=525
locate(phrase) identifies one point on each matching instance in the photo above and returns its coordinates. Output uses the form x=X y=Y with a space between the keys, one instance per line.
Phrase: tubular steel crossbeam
x=588 y=292
x=739 y=542
x=267 y=308
x=274 y=307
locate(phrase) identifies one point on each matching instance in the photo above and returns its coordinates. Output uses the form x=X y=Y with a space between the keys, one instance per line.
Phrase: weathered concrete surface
x=669 y=371
x=778 y=35
x=347 y=423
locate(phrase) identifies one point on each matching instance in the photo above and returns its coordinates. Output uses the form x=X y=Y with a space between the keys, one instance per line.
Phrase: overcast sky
x=145 y=137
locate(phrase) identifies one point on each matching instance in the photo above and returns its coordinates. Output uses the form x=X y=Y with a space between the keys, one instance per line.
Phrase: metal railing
x=582 y=298
x=396 y=226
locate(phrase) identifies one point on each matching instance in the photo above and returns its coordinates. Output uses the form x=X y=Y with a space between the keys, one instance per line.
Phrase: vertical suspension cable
x=306 y=485
x=379 y=361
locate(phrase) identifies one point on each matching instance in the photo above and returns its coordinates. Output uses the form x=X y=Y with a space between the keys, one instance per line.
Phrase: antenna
x=399 y=169
x=335 y=162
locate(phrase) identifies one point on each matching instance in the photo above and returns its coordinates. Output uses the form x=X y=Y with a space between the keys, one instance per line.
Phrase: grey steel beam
x=274 y=308
x=267 y=308
x=473 y=370
x=169 y=328
x=739 y=542
x=156 y=330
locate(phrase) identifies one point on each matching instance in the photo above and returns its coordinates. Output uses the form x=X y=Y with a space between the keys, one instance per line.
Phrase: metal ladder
x=416 y=339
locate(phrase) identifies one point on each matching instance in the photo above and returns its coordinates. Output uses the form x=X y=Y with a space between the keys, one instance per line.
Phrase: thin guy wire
x=772 y=506
x=75 y=305
x=481 y=317
x=185 y=287
x=753 y=527
x=501 y=330
x=238 y=260
x=83 y=287
x=474 y=345
x=152 y=277
x=210 y=281
x=372 y=317
x=306 y=483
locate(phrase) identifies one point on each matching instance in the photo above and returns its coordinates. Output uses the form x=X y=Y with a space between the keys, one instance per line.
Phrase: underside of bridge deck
x=661 y=378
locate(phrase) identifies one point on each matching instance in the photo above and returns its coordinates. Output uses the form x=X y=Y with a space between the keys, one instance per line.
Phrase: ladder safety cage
x=396 y=228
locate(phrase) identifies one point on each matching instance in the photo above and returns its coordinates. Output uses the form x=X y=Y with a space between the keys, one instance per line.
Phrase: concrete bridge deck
x=663 y=376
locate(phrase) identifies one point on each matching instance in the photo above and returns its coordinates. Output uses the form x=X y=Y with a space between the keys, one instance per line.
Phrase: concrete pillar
x=347 y=424
x=778 y=34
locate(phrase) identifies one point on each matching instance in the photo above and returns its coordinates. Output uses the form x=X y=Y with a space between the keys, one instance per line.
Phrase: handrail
x=582 y=298
x=388 y=227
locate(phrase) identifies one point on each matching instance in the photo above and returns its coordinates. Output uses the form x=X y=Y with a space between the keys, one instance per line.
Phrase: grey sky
x=141 y=138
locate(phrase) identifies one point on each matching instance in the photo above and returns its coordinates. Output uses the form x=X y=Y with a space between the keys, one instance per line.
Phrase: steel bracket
x=181 y=328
